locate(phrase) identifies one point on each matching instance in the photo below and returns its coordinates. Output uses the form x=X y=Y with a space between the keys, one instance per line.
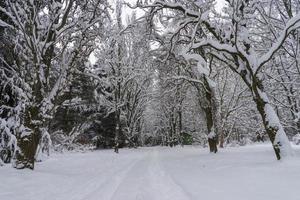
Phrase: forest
x=214 y=77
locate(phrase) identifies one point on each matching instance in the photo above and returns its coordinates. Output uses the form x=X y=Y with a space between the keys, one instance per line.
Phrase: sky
x=220 y=4
x=128 y=11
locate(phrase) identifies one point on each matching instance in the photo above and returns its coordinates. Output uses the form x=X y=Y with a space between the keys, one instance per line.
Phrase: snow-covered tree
x=123 y=65
x=228 y=38
x=283 y=76
x=49 y=37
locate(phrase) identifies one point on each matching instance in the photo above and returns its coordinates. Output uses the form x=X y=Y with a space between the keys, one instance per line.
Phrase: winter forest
x=149 y=99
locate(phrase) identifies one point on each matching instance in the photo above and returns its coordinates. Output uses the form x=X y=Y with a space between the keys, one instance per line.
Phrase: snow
x=211 y=135
x=291 y=25
x=297 y=117
x=201 y=63
x=4 y=24
x=216 y=45
x=281 y=138
x=159 y=173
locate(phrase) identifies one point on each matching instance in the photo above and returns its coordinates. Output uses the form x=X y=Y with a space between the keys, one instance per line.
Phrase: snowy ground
x=189 y=173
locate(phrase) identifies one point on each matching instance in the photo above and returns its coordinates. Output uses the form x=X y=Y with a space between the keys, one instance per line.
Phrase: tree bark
x=179 y=131
x=271 y=122
x=117 y=132
x=212 y=139
x=28 y=140
x=211 y=117
x=221 y=145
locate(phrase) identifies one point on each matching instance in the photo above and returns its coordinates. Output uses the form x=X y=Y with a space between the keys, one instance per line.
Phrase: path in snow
x=189 y=173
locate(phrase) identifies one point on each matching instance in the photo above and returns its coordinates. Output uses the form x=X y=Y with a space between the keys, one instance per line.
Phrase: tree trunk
x=273 y=127
x=211 y=117
x=117 y=132
x=28 y=140
x=180 y=136
x=221 y=145
x=212 y=137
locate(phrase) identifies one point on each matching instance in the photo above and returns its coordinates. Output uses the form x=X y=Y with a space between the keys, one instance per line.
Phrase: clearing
x=157 y=173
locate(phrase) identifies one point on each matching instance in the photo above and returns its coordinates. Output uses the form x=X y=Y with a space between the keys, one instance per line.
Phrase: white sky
x=220 y=4
x=128 y=11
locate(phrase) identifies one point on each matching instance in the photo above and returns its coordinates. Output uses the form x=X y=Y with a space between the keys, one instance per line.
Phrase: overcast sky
x=127 y=12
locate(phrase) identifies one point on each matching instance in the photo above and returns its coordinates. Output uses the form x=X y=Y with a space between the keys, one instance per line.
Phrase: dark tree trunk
x=28 y=140
x=117 y=132
x=211 y=118
x=180 y=139
x=221 y=145
x=212 y=137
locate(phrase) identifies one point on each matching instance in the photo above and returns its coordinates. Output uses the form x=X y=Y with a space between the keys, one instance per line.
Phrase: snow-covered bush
x=9 y=126
x=233 y=144
x=245 y=141
x=63 y=142
x=296 y=139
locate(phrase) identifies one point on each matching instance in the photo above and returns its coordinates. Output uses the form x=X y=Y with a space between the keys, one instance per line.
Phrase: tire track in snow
x=147 y=180
x=105 y=189
x=176 y=190
x=92 y=178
